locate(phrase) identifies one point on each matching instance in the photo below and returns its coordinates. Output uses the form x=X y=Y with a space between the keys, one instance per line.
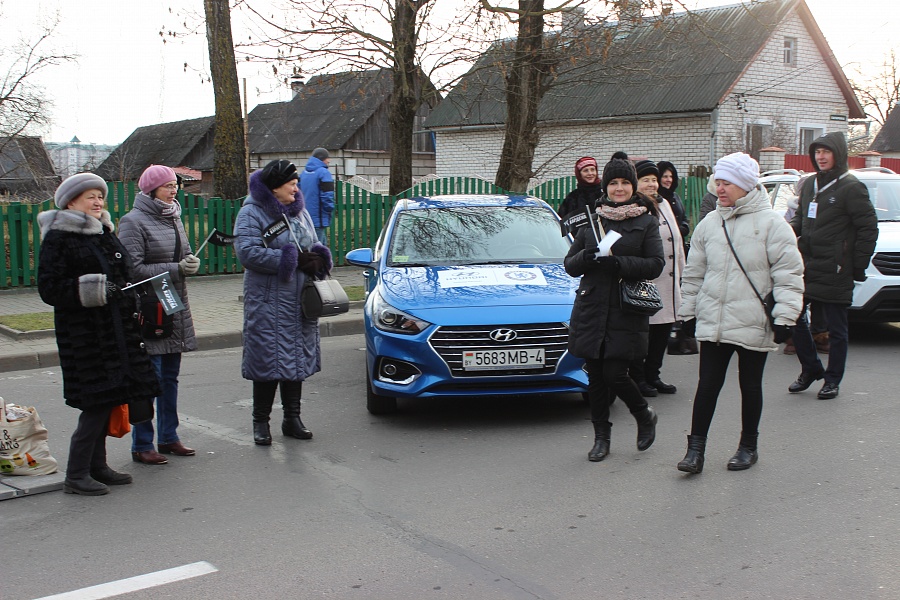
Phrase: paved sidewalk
x=215 y=305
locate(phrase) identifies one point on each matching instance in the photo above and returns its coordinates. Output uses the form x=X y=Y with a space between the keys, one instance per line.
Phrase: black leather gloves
x=782 y=333
x=310 y=263
x=607 y=263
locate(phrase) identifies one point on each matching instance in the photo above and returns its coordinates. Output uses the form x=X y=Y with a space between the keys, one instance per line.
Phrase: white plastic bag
x=23 y=442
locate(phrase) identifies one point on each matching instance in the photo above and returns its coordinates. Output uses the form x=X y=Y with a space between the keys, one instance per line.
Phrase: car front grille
x=887 y=263
x=450 y=342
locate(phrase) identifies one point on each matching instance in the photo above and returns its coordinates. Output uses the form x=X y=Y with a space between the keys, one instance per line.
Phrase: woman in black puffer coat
x=81 y=271
x=601 y=331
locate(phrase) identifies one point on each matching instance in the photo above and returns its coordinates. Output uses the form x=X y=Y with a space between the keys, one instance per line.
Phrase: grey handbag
x=323 y=298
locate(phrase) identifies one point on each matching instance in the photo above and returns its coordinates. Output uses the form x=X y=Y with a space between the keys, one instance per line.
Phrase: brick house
x=686 y=87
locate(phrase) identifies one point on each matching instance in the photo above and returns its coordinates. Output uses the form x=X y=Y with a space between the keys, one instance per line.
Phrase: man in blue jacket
x=317 y=186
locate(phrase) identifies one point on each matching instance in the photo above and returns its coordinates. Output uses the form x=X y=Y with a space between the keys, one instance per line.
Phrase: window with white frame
x=806 y=135
x=790 y=51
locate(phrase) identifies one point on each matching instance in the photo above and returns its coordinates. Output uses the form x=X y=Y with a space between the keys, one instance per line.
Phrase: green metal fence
x=358 y=218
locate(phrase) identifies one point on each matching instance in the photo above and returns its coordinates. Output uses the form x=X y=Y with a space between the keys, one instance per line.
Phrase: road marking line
x=133 y=584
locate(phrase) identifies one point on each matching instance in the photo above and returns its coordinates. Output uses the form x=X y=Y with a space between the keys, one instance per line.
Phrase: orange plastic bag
x=118 y=421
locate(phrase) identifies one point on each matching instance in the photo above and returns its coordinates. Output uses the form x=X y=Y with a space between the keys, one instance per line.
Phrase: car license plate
x=521 y=358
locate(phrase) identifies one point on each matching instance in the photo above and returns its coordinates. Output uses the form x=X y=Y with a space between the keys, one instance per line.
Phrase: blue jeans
x=836 y=317
x=320 y=233
x=167 y=367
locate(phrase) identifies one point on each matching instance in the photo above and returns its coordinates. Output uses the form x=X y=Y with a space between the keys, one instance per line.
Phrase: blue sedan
x=467 y=296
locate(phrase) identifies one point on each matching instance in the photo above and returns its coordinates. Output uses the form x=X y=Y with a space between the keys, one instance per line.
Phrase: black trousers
x=714 y=359
x=87 y=448
x=264 y=398
x=605 y=375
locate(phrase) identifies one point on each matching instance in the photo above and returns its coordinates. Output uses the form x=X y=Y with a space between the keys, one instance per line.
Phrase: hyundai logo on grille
x=503 y=335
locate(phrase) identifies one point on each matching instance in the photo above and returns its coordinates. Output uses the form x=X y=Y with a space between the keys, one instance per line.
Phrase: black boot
x=261 y=434
x=693 y=460
x=106 y=475
x=746 y=455
x=646 y=426
x=601 y=442
x=292 y=426
x=85 y=486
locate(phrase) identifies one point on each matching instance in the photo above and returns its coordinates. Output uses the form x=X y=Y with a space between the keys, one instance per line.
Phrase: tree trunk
x=406 y=97
x=525 y=86
x=229 y=164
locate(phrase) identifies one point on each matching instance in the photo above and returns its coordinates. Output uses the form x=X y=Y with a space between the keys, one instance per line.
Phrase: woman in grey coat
x=154 y=236
x=277 y=245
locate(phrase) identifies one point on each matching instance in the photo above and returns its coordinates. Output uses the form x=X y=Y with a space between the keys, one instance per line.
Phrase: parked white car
x=878 y=298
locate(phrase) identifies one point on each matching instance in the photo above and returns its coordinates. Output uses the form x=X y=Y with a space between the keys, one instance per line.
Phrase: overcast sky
x=126 y=77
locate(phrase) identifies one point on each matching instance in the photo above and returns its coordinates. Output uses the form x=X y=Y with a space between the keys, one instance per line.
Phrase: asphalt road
x=481 y=498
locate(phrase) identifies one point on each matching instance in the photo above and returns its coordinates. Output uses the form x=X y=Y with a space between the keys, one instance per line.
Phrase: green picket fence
x=357 y=221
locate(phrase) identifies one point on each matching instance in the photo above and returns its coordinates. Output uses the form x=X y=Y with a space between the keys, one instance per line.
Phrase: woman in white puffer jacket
x=730 y=317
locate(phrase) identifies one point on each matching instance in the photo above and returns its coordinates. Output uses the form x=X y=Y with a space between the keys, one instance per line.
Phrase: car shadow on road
x=490 y=411
x=875 y=334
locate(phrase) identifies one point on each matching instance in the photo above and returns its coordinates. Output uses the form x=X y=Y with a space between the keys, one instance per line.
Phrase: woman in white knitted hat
x=740 y=253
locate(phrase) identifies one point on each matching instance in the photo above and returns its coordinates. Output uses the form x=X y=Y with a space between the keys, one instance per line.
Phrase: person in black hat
x=646 y=371
x=601 y=330
x=277 y=245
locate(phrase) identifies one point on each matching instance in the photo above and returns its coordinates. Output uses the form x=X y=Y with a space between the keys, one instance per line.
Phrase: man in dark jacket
x=837 y=229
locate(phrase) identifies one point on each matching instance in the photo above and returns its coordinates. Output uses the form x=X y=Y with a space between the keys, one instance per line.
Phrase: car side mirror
x=360 y=257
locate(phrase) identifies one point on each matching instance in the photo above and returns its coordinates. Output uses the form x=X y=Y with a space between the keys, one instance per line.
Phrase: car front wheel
x=378 y=404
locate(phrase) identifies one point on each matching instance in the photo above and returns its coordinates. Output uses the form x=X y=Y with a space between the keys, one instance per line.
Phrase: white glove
x=189 y=265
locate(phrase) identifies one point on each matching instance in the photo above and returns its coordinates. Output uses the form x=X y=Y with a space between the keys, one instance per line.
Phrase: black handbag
x=640 y=297
x=768 y=303
x=323 y=298
x=155 y=324
x=681 y=342
x=153 y=321
x=140 y=411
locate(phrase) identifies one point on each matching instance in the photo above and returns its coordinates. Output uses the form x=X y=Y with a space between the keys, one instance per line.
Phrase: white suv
x=878 y=298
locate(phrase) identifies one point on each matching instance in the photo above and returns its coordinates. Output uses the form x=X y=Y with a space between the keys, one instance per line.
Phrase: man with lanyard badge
x=836 y=229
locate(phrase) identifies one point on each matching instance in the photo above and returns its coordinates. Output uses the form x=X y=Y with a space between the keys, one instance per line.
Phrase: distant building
x=76 y=156
x=26 y=171
x=887 y=142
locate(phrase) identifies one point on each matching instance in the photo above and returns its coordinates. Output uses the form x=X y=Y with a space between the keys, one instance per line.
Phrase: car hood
x=478 y=286
x=888 y=237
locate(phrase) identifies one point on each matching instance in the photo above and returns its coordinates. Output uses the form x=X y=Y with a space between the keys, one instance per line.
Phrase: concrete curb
x=346 y=324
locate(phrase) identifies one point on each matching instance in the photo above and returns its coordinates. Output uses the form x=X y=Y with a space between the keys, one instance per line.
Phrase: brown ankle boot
x=822 y=342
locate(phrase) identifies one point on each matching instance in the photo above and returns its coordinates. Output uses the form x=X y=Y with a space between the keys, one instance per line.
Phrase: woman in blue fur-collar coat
x=281 y=345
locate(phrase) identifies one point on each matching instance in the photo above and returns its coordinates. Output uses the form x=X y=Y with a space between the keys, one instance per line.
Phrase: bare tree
x=880 y=93
x=229 y=165
x=24 y=106
x=401 y=35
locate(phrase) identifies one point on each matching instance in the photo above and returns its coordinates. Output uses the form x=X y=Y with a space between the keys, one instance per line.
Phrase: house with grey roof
x=345 y=113
x=187 y=144
x=887 y=142
x=687 y=87
x=26 y=171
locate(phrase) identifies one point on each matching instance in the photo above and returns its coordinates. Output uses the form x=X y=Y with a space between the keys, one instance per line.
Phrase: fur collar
x=264 y=198
x=73 y=221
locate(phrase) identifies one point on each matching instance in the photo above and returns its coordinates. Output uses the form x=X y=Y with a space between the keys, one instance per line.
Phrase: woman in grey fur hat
x=82 y=269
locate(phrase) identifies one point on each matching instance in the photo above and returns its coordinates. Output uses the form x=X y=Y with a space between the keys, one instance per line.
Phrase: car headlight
x=388 y=318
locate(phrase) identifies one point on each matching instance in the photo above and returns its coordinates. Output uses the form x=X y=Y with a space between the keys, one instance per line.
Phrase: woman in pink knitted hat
x=154 y=236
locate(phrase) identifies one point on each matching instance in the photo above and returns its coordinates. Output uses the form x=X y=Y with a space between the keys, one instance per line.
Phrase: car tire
x=378 y=404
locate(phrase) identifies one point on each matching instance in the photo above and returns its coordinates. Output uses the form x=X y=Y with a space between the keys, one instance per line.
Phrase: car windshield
x=476 y=235
x=885 y=196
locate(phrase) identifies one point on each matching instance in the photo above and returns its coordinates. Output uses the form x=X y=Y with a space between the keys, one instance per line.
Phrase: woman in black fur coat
x=81 y=271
